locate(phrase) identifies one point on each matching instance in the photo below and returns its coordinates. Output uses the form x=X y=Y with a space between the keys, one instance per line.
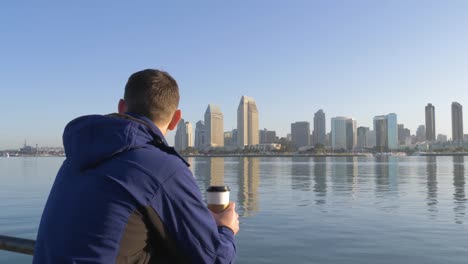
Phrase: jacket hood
x=90 y=140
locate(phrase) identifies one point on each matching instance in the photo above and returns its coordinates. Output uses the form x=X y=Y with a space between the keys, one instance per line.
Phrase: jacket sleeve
x=187 y=220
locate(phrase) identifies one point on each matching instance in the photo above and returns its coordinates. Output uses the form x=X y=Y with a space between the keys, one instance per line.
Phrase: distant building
x=189 y=134
x=247 y=122
x=183 y=136
x=200 y=135
x=267 y=147
x=441 y=138
x=386 y=132
x=410 y=140
x=457 y=122
x=319 y=135
x=267 y=136
x=403 y=133
x=179 y=136
x=228 y=138
x=234 y=137
x=430 y=123
x=381 y=133
x=362 y=137
x=343 y=133
x=465 y=137
x=28 y=150
x=421 y=134
x=300 y=133
x=371 y=139
x=214 y=126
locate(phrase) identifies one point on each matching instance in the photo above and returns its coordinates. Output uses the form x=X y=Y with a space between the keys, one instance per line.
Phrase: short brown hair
x=152 y=93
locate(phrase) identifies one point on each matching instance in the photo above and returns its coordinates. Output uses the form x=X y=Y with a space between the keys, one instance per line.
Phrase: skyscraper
x=179 y=136
x=421 y=133
x=247 y=122
x=362 y=137
x=267 y=136
x=430 y=123
x=319 y=134
x=188 y=139
x=457 y=122
x=392 y=127
x=214 y=126
x=183 y=136
x=343 y=133
x=403 y=134
x=381 y=133
x=386 y=132
x=200 y=135
x=300 y=134
x=371 y=139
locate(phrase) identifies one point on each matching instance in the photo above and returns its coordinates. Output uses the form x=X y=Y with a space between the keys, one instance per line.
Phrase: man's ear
x=122 y=106
x=175 y=120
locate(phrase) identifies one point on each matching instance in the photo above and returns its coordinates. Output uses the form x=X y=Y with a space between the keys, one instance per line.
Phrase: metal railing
x=18 y=245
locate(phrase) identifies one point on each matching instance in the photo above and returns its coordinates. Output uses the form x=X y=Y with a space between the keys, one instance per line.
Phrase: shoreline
x=285 y=155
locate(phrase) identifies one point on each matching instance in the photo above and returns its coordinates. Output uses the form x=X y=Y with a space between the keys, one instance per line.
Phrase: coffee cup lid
x=218 y=189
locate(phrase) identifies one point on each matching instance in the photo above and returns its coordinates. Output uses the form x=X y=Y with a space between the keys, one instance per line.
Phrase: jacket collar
x=159 y=140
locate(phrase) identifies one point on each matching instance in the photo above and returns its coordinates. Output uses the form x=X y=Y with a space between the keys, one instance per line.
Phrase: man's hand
x=228 y=218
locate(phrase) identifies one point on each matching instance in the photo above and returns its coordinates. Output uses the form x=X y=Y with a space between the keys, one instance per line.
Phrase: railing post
x=18 y=245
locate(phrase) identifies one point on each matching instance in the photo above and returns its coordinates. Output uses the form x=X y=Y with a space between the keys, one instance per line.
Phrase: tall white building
x=188 y=140
x=214 y=126
x=183 y=136
x=343 y=133
x=247 y=122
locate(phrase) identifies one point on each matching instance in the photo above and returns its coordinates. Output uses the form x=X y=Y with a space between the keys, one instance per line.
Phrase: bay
x=301 y=209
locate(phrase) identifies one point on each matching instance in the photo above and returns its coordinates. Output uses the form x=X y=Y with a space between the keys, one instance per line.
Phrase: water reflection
x=431 y=172
x=248 y=181
x=320 y=179
x=382 y=181
x=459 y=188
x=300 y=174
x=338 y=176
x=216 y=166
x=386 y=182
x=352 y=173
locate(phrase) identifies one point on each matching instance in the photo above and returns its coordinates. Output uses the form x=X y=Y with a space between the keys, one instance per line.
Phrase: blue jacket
x=123 y=195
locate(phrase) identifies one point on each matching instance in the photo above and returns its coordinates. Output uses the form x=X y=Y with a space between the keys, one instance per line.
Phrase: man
x=124 y=196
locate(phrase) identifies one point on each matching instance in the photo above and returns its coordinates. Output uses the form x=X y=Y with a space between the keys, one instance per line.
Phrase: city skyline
x=387 y=132
x=358 y=59
x=203 y=138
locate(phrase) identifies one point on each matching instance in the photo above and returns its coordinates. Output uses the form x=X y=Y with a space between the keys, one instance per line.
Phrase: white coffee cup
x=217 y=198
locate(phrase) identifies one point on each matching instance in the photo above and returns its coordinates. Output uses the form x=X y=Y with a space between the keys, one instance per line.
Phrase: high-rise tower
x=247 y=122
x=457 y=122
x=430 y=123
x=214 y=126
x=319 y=134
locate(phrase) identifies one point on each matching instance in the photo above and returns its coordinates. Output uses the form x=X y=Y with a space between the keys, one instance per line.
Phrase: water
x=302 y=210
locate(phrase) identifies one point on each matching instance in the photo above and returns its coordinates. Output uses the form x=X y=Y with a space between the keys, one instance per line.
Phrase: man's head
x=154 y=94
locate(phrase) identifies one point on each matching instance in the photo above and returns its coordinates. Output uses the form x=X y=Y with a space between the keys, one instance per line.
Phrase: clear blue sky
x=351 y=58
